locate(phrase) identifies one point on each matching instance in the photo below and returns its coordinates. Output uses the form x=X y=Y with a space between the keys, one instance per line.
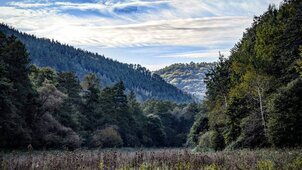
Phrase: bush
x=250 y=126
x=108 y=137
x=199 y=126
x=236 y=144
x=265 y=165
x=211 y=140
x=50 y=133
x=212 y=167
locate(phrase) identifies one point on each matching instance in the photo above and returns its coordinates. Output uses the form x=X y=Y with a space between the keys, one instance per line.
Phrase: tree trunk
x=225 y=101
x=261 y=109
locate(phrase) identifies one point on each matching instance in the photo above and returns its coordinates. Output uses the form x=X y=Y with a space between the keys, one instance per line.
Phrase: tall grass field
x=179 y=159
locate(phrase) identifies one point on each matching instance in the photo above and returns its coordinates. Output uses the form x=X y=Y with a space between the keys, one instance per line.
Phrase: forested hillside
x=254 y=96
x=187 y=77
x=45 y=52
x=43 y=108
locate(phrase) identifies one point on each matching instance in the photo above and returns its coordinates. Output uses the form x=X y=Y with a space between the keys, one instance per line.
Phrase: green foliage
x=211 y=140
x=265 y=165
x=286 y=115
x=298 y=162
x=155 y=130
x=108 y=137
x=176 y=119
x=40 y=75
x=17 y=95
x=253 y=95
x=62 y=58
x=43 y=108
x=69 y=113
x=200 y=126
x=212 y=167
x=299 y=63
x=218 y=80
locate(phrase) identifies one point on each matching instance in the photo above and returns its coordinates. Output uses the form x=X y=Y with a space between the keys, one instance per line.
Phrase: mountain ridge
x=187 y=77
x=49 y=53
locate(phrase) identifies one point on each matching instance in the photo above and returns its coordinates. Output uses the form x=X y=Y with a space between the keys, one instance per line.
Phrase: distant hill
x=187 y=77
x=45 y=52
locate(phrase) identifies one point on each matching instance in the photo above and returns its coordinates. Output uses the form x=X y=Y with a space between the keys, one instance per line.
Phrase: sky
x=151 y=33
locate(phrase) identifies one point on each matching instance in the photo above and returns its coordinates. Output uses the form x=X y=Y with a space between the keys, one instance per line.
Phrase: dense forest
x=254 y=96
x=50 y=53
x=187 y=77
x=61 y=106
x=43 y=108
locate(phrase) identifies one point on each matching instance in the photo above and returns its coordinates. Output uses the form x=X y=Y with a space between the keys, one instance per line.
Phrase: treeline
x=42 y=108
x=183 y=67
x=254 y=96
x=50 y=53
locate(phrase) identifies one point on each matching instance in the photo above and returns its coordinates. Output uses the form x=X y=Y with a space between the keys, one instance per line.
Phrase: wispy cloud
x=197 y=54
x=211 y=25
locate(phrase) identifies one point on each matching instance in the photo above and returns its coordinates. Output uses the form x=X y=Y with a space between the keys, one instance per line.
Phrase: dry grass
x=180 y=159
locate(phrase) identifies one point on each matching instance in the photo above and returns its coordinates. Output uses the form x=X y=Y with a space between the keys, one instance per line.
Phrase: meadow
x=126 y=159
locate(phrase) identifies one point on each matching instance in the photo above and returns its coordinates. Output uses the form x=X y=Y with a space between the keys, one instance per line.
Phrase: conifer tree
x=18 y=99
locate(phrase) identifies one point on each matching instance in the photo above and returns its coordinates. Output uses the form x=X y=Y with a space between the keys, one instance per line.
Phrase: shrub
x=212 y=167
x=204 y=141
x=108 y=137
x=199 y=126
x=295 y=164
x=265 y=165
x=51 y=134
x=211 y=140
x=217 y=141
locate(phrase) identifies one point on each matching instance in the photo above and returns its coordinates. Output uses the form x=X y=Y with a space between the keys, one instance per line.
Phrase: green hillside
x=254 y=96
x=45 y=52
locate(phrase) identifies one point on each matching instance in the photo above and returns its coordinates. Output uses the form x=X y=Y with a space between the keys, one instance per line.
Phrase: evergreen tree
x=136 y=119
x=286 y=116
x=122 y=112
x=18 y=99
x=155 y=131
x=91 y=102
x=69 y=114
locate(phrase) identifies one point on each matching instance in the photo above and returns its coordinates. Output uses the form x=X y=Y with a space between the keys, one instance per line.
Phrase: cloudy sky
x=147 y=32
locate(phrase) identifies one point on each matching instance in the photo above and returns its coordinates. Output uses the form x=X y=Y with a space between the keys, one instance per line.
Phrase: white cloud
x=208 y=32
x=198 y=54
x=211 y=24
x=28 y=5
x=154 y=67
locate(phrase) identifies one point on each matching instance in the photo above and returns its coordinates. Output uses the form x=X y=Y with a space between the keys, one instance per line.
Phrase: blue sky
x=151 y=33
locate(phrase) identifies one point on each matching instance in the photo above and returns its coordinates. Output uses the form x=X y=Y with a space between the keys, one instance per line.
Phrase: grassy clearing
x=180 y=159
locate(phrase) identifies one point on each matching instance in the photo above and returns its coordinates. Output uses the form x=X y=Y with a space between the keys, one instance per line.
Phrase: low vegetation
x=180 y=159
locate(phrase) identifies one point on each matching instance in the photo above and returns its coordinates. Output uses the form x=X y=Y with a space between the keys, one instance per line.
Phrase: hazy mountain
x=44 y=52
x=187 y=77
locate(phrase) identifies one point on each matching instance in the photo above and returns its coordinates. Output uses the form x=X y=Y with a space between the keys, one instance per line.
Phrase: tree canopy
x=253 y=96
